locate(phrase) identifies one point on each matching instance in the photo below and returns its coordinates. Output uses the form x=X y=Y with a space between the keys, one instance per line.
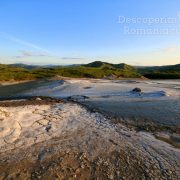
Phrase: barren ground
x=66 y=141
x=103 y=132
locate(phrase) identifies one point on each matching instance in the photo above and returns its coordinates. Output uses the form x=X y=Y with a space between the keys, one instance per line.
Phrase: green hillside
x=95 y=69
x=161 y=72
x=14 y=73
x=105 y=65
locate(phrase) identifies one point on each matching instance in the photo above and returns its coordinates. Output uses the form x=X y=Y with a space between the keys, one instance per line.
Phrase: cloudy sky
x=136 y=32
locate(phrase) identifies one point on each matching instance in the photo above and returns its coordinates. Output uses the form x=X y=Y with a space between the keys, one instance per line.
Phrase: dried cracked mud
x=66 y=141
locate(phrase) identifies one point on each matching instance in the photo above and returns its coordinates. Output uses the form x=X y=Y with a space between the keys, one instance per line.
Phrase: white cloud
x=171 y=49
x=30 y=53
x=25 y=53
x=22 y=42
x=71 y=58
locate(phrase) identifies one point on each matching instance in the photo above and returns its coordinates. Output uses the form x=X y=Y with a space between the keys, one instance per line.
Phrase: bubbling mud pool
x=158 y=102
x=101 y=130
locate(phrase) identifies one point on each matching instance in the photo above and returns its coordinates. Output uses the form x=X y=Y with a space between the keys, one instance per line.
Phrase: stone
x=38 y=99
x=77 y=98
x=48 y=128
x=137 y=90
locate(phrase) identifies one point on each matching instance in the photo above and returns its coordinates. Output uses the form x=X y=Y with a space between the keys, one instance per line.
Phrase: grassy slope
x=14 y=73
x=105 y=70
x=95 y=69
x=161 y=72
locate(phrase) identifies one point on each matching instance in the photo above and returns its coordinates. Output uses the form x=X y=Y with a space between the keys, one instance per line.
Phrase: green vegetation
x=163 y=75
x=161 y=72
x=14 y=73
x=92 y=70
x=95 y=69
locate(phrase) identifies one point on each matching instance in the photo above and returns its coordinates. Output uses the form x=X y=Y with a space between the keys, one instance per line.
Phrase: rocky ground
x=58 y=140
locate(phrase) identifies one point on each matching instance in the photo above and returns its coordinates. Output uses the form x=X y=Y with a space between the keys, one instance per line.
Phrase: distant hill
x=160 y=68
x=13 y=73
x=109 y=70
x=169 y=68
x=31 y=67
x=105 y=65
x=25 y=66
x=96 y=69
x=161 y=72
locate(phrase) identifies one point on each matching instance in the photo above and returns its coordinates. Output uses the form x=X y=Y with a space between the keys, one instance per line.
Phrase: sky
x=136 y=32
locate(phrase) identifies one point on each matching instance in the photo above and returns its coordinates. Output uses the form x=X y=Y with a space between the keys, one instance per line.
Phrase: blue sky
x=81 y=31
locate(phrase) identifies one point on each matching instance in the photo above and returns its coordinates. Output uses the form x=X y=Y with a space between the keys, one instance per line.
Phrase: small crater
x=48 y=128
x=87 y=87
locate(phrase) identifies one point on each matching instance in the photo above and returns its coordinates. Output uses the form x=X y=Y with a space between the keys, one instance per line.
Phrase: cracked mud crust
x=65 y=141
